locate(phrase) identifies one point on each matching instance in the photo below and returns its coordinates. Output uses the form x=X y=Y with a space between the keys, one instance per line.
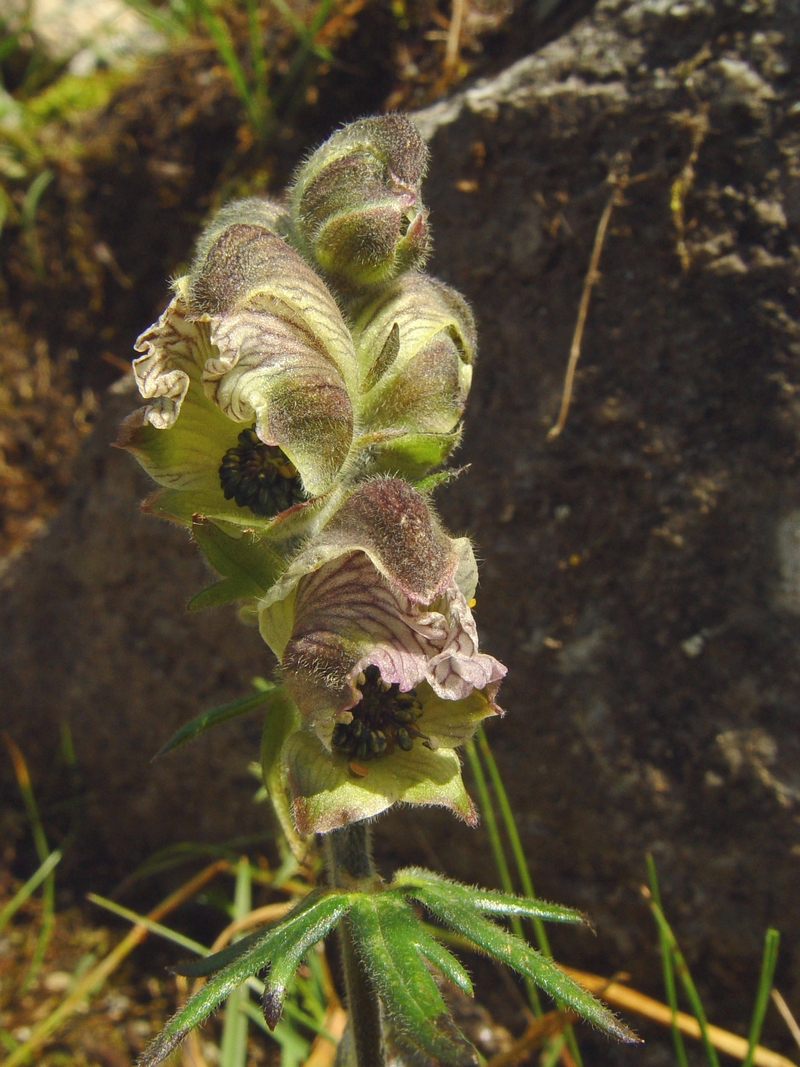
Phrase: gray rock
x=638 y=571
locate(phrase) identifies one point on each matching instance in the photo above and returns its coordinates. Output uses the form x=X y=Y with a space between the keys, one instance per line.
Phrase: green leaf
x=516 y=953
x=206 y=719
x=387 y=939
x=202 y=968
x=306 y=924
x=487 y=901
x=247 y=566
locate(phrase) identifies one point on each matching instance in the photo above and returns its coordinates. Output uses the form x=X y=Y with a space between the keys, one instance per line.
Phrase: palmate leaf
x=513 y=951
x=306 y=924
x=390 y=943
x=214 y=716
x=487 y=901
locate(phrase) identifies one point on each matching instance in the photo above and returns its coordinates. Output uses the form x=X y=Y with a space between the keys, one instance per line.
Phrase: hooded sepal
x=285 y=356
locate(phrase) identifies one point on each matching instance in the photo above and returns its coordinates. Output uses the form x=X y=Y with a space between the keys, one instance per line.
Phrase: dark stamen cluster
x=384 y=719
x=259 y=476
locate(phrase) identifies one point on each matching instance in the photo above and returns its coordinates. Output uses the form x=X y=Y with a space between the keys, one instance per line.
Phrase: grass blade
x=29 y=887
x=42 y=851
x=149 y=924
x=498 y=853
x=685 y=977
x=668 y=968
x=233 y=1046
x=93 y=980
x=523 y=871
x=770 y=959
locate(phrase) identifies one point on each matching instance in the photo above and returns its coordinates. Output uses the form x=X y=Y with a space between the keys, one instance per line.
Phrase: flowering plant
x=301 y=385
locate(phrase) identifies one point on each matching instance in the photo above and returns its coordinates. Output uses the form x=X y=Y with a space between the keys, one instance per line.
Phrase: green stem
x=350 y=867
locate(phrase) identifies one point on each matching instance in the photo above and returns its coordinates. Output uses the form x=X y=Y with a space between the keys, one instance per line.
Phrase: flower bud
x=356 y=205
x=415 y=344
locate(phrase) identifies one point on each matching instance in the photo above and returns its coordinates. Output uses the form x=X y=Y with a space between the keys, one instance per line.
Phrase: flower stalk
x=350 y=866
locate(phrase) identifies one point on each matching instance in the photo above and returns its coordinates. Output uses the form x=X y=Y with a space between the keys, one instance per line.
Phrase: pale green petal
x=452 y=722
x=276 y=623
x=466 y=576
x=327 y=794
x=187 y=454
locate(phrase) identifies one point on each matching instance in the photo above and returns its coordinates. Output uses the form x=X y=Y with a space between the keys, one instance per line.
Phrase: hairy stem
x=350 y=867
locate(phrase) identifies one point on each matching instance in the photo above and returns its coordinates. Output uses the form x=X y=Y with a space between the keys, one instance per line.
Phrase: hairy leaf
x=214 y=716
x=306 y=924
x=207 y=965
x=487 y=901
x=516 y=953
x=386 y=937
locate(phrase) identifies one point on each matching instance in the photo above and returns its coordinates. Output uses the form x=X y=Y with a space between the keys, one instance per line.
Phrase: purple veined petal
x=346 y=618
x=175 y=351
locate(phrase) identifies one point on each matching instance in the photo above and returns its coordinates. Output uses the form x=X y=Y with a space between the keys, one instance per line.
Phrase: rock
x=639 y=570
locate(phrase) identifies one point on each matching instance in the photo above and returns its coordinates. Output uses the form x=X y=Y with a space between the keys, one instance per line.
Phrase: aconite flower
x=357 y=212
x=416 y=344
x=248 y=376
x=378 y=647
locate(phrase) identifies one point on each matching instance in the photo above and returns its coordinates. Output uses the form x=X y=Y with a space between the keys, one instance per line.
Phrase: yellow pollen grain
x=472 y=603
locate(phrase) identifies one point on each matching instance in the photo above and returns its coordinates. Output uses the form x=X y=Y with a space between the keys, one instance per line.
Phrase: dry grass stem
x=267 y=914
x=536 y=1033
x=786 y=1014
x=698 y=126
x=323 y=1051
x=453 y=46
x=624 y=997
x=619 y=183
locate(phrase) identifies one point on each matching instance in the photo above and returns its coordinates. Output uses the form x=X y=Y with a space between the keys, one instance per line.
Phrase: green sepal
x=432 y=481
x=412 y=455
x=388 y=939
x=214 y=716
x=248 y=567
x=487 y=901
x=516 y=953
x=310 y=921
x=283 y=719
